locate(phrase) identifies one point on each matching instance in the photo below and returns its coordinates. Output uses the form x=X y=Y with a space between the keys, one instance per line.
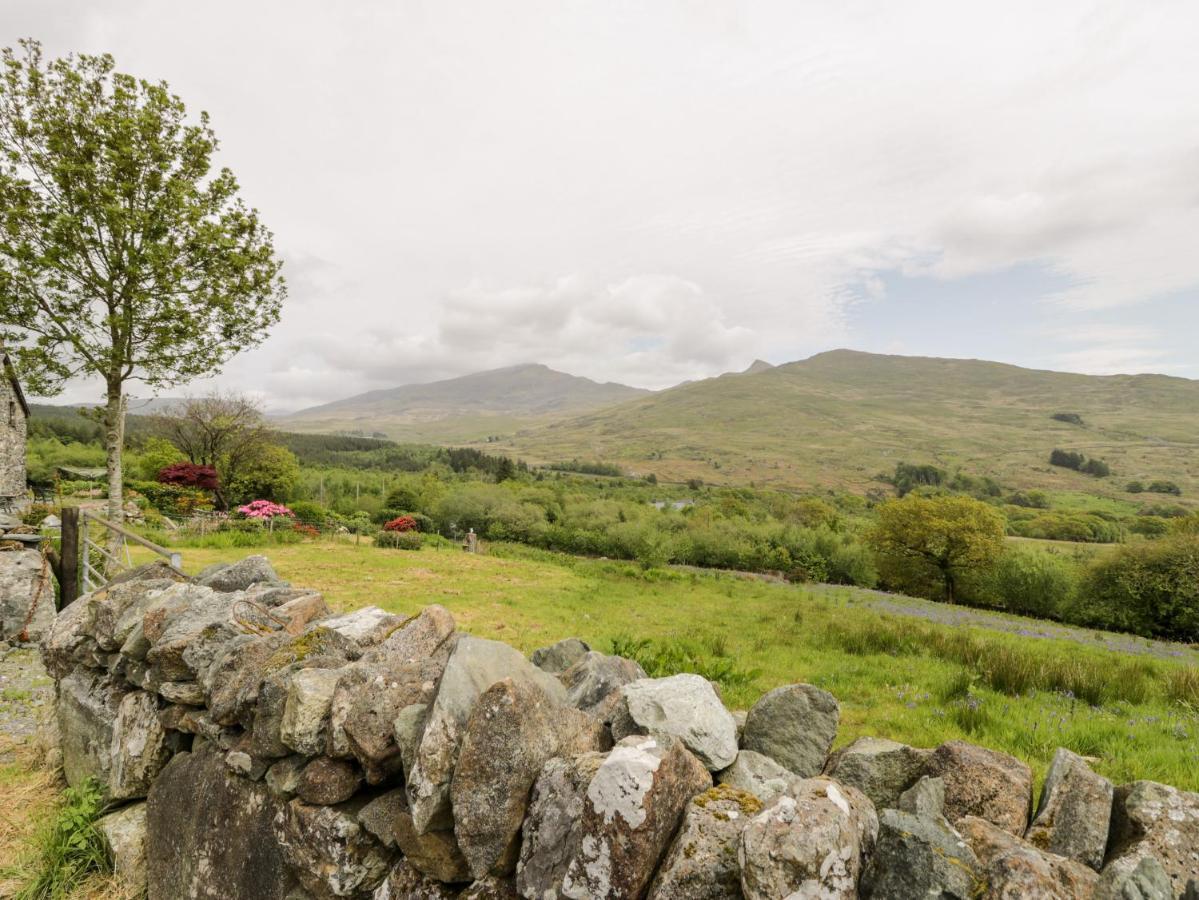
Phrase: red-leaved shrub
x=401 y=523
x=188 y=474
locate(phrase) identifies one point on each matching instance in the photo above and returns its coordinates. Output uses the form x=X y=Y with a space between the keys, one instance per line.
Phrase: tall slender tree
x=123 y=255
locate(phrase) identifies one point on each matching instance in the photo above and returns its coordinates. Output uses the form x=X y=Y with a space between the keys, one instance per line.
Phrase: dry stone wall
x=253 y=745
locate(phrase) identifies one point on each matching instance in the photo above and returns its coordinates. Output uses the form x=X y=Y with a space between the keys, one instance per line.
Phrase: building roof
x=83 y=473
x=11 y=373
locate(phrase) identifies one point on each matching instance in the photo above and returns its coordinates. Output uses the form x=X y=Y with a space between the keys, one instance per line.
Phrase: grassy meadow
x=908 y=677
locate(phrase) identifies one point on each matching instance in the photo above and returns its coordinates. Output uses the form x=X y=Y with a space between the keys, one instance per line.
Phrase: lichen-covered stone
x=687 y=707
x=1151 y=819
x=1012 y=867
x=432 y=853
x=1074 y=814
x=1135 y=878
x=366 y=626
x=917 y=858
x=593 y=683
x=759 y=775
x=87 y=710
x=329 y=852
x=811 y=844
x=559 y=657
x=985 y=783
x=794 y=725
x=305 y=723
x=125 y=833
x=490 y=888
x=881 y=769
x=926 y=798
x=367 y=715
x=404 y=882
x=379 y=813
x=240 y=575
x=701 y=863
x=327 y=782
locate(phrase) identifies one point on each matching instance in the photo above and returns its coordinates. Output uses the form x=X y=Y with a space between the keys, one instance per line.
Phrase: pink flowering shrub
x=264 y=509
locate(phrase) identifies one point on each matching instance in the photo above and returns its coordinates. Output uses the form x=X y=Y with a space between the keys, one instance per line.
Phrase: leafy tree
x=1067 y=459
x=269 y=474
x=187 y=474
x=1096 y=467
x=1149 y=588
x=156 y=454
x=908 y=477
x=922 y=542
x=123 y=257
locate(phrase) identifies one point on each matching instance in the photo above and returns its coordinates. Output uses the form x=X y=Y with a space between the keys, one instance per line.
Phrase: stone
x=329 y=852
x=593 y=683
x=181 y=615
x=283 y=777
x=69 y=639
x=559 y=657
x=433 y=853
x=408 y=730
x=1074 y=815
x=186 y=692
x=404 y=882
x=210 y=834
x=87 y=710
x=327 y=782
x=917 y=858
x=367 y=626
x=125 y=833
x=26 y=596
x=984 y=783
x=687 y=707
x=701 y=863
x=794 y=725
x=379 y=814
x=811 y=844
x=926 y=798
x=1135 y=878
x=758 y=775
x=266 y=729
x=139 y=746
x=367 y=706
x=512 y=732
x=305 y=724
x=245 y=765
x=490 y=888
x=474 y=665
x=121 y=607
x=297 y=612
x=429 y=635
x=633 y=805
x=1012 y=867
x=1151 y=819
x=881 y=769
x=239 y=576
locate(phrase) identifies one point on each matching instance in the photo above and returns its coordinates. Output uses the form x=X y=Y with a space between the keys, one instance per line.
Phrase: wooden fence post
x=68 y=577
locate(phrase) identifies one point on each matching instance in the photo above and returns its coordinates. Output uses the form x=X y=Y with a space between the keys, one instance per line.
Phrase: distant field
x=1020 y=689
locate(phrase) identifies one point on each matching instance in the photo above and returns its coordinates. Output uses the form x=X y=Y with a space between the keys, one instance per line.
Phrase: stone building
x=14 y=418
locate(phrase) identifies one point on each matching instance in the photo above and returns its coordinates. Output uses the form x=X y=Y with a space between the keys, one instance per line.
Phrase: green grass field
x=896 y=676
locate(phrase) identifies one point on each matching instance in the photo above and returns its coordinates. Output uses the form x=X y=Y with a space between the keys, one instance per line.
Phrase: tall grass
x=672 y=656
x=70 y=848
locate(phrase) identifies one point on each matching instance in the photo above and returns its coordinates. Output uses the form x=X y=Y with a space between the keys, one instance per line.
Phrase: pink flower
x=264 y=509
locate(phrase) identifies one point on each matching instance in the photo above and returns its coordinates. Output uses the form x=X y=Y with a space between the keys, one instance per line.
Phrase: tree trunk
x=114 y=445
x=949 y=598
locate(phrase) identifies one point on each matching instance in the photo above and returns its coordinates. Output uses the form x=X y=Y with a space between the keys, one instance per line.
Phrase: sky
x=649 y=192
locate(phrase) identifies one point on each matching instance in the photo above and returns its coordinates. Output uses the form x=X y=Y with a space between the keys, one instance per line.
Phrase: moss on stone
x=746 y=802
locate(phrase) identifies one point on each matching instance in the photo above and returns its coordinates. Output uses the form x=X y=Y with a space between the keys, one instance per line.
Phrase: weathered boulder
x=378 y=815
x=1151 y=819
x=125 y=833
x=120 y=607
x=210 y=834
x=1012 y=867
x=758 y=775
x=327 y=782
x=473 y=666
x=794 y=725
x=687 y=707
x=69 y=641
x=559 y=657
x=428 y=635
x=633 y=806
x=512 y=732
x=490 y=888
x=881 y=769
x=811 y=844
x=240 y=575
x=1075 y=811
x=593 y=683
x=181 y=615
x=917 y=858
x=87 y=708
x=330 y=853
x=701 y=863
x=139 y=748
x=984 y=783
x=433 y=853
x=283 y=777
x=552 y=830
x=304 y=726
x=926 y=798
x=1135 y=878
x=367 y=706
x=26 y=596
x=409 y=728
x=367 y=626
x=404 y=882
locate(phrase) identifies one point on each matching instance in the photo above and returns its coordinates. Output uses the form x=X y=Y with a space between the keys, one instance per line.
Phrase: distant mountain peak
x=758 y=365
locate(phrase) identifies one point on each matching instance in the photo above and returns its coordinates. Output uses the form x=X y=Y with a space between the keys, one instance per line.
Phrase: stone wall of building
x=13 y=433
x=256 y=746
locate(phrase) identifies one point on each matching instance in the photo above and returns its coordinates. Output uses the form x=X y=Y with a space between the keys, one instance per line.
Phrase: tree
x=272 y=474
x=123 y=257
x=225 y=431
x=920 y=541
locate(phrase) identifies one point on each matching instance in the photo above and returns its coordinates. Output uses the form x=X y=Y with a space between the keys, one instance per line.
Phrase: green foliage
x=172 y=499
x=1029 y=499
x=1135 y=487
x=662 y=658
x=908 y=477
x=398 y=540
x=271 y=473
x=70 y=847
x=1164 y=487
x=1068 y=417
x=1096 y=467
x=1067 y=459
x=926 y=545
x=45 y=455
x=1032 y=583
x=1067 y=526
x=1149 y=588
x=588 y=468
x=155 y=455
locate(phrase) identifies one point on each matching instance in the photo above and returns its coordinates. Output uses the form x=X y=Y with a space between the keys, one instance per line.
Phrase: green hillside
x=840 y=418
x=470 y=408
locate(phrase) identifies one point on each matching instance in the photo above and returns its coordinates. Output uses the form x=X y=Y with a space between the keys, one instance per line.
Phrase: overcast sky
x=651 y=191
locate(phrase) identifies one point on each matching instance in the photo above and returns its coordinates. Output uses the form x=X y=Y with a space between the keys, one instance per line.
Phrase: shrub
x=172 y=499
x=1135 y=487
x=187 y=474
x=1096 y=467
x=306 y=530
x=1150 y=588
x=1029 y=499
x=1034 y=583
x=310 y=512
x=398 y=540
x=1068 y=417
x=264 y=509
x=1149 y=526
x=1066 y=459
x=401 y=523
x=1164 y=487
x=908 y=477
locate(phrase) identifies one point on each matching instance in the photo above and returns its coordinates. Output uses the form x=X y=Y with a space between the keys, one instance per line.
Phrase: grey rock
x=881 y=769
x=512 y=732
x=429 y=635
x=283 y=777
x=409 y=728
x=701 y=863
x=1012 y=867
x=367 y=707
x=327 y=782
x=559 y=657
x=210 y=834
x=186 y=692
x=139 y=747
x=305 y=724
x=984 y=783
x=474 y=665
x=87 y=710
x=1074 y=814
x=69 y=639
x=120 y=608
x=1151 y=819
x=329 y=852
x=490 y=888
x=811 y=844
x=125 y=833
x=758 y=775
x=1135 y=878
x=687 y=707
x=367 y=626
x=241 y=575
x=433 y=853
x=245 y=765
x=794 y=725
x=593 y=683
x=926 y=798
x=379 y=814
x=24 y=582
x=404 y=882
x=919 y=858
